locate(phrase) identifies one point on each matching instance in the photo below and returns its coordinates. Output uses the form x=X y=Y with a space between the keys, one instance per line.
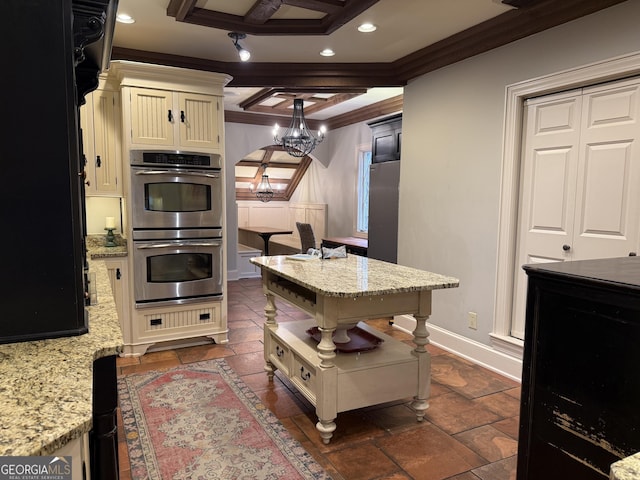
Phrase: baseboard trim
x=478 y=353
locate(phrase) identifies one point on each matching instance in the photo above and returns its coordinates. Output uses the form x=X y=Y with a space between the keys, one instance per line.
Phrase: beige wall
x=452 y=152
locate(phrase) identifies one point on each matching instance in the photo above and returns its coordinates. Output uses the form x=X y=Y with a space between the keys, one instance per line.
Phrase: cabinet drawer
x=303 y=376
x=279 y=354
x=182 y=319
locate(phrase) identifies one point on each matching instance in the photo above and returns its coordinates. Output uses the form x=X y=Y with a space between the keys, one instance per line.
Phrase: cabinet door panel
x=88 y=144
x=152 y=117
x=106 y=160
x=199 y=121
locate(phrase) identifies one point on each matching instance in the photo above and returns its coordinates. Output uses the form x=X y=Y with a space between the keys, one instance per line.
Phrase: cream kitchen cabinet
x=185 y=325
x=177 y=120
x=100 y=123
x=118 y=271
x=78 y=450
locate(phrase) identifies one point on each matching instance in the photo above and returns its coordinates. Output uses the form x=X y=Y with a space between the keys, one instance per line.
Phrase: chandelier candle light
x=264 y=192
x=298 y=140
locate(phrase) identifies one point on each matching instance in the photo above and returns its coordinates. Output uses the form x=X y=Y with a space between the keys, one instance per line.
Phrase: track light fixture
x=243 y=52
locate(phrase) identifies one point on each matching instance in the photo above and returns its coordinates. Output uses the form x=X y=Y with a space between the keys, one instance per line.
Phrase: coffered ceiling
x=285 y=38
x=363 y=80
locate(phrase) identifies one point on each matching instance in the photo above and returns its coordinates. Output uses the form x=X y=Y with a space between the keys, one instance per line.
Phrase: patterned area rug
x=200 y=421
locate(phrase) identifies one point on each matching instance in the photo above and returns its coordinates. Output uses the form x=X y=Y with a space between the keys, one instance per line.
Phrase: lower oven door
x=177 y=271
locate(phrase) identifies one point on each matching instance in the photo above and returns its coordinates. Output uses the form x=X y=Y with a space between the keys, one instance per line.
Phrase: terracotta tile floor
x=470 y=430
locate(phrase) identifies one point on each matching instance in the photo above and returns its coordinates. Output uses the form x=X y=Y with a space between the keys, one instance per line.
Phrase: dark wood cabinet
x=386 y=139
x=48 y=50
x=41 y=195
x=580 y=383
x=104 y=434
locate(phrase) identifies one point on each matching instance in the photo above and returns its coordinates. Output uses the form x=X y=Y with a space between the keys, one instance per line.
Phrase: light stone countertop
x=353 y=276
x=626 y=469
x=97 y=249
x=46 y=386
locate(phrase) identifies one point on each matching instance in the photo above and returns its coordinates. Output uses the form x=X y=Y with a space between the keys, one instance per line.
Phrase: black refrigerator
x=384 y=180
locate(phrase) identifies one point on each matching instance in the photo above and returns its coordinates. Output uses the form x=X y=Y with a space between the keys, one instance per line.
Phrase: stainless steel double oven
x=177 y=214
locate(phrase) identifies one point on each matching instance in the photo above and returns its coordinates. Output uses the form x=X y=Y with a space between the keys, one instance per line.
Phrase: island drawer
x=303 y=376
x=279 y=354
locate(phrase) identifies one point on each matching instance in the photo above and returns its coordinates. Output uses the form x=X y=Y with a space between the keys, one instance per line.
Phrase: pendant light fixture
x=298 y=140
x=264 y=192
x=244 y=54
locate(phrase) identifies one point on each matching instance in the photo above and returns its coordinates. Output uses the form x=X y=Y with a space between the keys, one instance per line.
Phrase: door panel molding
x=516 y=94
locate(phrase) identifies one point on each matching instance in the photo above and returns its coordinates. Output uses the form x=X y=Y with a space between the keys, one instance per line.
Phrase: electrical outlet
x=473 y=320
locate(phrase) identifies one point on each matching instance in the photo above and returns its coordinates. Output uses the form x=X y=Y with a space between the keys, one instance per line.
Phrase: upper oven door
x=176 y=198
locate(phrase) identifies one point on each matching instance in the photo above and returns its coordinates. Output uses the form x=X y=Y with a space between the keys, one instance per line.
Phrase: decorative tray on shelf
x=360 y=340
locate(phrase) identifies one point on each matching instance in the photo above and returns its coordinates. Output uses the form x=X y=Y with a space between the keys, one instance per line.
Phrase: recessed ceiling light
x=367 y=28
x=124 y=18
x=327 y=52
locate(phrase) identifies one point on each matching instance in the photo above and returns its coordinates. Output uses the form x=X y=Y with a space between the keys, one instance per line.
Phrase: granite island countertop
x=353 y=276
x=46 y=387
x=626 y=469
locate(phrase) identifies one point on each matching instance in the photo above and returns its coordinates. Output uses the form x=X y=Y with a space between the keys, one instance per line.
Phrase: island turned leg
x=270 y=312
x=326 y=429
x=326 y=397
x=421 y=338
x=326 y=347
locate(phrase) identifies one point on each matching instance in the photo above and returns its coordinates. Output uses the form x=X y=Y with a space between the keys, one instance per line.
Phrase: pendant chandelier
x=298 y=140
x=264 y=192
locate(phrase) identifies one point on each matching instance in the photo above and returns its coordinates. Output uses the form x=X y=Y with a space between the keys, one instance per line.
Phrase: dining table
x=266 y=233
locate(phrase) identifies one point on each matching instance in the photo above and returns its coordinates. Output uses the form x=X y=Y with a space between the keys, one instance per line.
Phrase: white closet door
x=580 y=180
x=547 y=188
x=608 y=190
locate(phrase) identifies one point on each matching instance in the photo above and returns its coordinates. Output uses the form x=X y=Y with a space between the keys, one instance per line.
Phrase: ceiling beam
x=326 y=6
x=261 y=11
x=258 y=20
x=520 y=3
x=379 y=109
x=266 y=120
x=266 y=93
x=180 y=9
x=498 y=31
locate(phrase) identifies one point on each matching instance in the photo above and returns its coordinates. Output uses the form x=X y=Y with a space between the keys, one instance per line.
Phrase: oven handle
x=144 y=246
x=181 y=172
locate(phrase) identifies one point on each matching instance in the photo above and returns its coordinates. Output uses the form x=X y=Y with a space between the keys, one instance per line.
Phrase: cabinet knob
x=182 y=116
x=170 y=116
x=118 y=274
x=566 y=247
x=98 y=161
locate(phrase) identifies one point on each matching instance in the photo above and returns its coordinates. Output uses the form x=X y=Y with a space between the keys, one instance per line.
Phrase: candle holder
x=111 y=238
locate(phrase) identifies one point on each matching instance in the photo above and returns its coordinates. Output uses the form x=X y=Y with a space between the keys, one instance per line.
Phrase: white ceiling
x=404 y=26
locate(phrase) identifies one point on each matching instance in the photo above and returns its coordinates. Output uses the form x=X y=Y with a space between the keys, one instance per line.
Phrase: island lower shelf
x=358 y=379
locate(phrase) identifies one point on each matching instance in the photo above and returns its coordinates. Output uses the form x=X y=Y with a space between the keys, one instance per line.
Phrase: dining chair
x=307 y=238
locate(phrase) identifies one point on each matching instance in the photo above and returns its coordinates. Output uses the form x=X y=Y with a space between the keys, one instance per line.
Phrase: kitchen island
x=339 y=294
x=47 y=385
